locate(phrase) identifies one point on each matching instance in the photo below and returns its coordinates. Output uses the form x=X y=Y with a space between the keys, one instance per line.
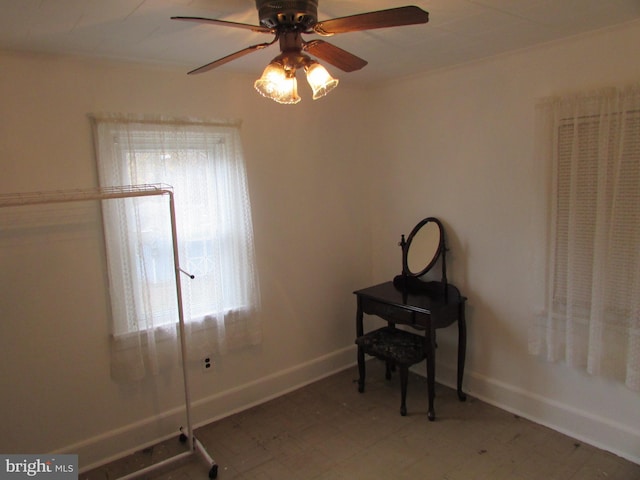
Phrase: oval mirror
x=423 y=247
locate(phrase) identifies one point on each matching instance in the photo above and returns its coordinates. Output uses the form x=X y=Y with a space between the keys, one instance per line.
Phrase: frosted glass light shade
x=320 y=80
x=276 y=84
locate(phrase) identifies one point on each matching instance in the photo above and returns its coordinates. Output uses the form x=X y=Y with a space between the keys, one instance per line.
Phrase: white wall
x=312 y=241
x=458 y=144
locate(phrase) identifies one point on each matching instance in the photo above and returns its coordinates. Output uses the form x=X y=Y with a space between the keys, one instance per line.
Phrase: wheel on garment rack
x=183 y=438
x=213 y=473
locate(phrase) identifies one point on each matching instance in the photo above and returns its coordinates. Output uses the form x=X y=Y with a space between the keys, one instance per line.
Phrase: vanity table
x=423 y=307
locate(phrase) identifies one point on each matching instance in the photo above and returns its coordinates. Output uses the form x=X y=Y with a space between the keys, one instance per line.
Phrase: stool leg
x=388 y=369
x=404 y=374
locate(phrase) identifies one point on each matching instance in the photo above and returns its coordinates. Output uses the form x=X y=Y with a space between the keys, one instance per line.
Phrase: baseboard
x=617 y=438
x=123 y=441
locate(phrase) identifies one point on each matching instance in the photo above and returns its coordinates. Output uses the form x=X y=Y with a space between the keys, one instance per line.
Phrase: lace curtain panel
x=203 y=162
x=592 y=315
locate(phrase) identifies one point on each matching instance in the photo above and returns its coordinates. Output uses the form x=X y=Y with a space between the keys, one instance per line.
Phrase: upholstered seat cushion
x=393 y=344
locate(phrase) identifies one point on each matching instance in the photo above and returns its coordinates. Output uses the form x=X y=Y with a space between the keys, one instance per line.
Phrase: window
x=593 y=304
x=598 y=208
x=203 y=163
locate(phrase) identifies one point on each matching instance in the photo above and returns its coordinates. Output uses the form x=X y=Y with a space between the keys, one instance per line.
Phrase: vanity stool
x=395 y=347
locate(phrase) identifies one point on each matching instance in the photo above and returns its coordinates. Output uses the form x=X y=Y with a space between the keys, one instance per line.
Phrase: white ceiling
x=141 y=30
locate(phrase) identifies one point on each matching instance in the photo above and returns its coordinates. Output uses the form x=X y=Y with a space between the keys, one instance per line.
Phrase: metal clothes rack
x=109 y=193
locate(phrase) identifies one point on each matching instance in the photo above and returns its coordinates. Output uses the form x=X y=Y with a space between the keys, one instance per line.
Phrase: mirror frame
x=440 y=250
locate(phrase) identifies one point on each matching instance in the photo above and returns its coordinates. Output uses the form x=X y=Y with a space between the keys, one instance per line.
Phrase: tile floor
x=328 y=431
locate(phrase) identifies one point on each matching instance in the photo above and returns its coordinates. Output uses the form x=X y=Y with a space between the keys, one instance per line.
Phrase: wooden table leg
x=462 y=350
x=431 y=371
x=361 y=370
x=359 y=333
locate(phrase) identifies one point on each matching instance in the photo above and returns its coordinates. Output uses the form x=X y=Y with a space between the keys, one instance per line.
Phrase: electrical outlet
x=207 y=364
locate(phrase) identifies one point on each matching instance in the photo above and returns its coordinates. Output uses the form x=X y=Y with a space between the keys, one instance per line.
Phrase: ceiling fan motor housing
x=292 y=13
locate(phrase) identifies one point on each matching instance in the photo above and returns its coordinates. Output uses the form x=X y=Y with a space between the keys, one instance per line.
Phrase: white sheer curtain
x=592 y=319
x=203 y=162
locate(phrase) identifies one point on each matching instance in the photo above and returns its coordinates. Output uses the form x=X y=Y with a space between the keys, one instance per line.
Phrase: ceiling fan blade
x=229 y=58
x=225 y=23
x=336 y=56
x=393 y=17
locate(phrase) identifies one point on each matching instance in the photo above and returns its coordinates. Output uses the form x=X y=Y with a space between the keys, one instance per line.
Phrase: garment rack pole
x=130 y=191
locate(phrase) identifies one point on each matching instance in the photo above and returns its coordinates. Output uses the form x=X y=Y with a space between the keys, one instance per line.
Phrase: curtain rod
x=161 y=119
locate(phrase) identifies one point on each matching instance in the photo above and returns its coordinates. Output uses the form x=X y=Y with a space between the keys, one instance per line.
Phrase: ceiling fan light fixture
x=287 y=21
x=278 y=84
x=320 y=80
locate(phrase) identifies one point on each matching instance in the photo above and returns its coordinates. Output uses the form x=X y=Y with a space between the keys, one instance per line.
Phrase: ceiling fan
x=288 y=20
